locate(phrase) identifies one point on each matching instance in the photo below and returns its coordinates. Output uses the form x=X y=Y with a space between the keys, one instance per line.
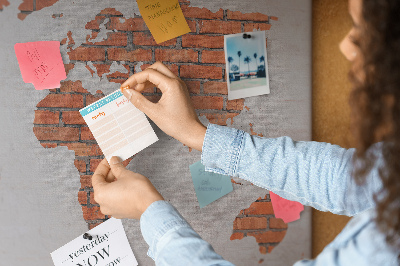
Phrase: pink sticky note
x=41 y=63
x=287 y=210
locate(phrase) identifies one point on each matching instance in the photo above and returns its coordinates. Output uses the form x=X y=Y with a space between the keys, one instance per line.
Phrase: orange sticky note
x=164 y=18
x=287 y=210
x=41 y=63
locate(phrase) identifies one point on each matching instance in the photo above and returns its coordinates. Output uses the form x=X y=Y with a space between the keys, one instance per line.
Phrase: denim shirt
x=312 y=173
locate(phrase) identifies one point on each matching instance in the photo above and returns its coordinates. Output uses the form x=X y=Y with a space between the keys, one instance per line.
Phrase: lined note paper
x=118 y=126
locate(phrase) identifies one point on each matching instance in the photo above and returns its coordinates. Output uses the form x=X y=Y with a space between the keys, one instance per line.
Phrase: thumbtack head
x=246 y=36
x=87 y=236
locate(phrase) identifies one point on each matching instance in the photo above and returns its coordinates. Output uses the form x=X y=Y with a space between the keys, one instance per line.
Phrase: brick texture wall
x=196 y=57
x=29 y=6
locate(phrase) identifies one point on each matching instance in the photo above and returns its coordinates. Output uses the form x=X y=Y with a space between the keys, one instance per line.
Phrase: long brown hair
x=375 y=103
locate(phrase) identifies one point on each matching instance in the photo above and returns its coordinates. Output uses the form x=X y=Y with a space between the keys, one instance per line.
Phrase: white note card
x=118 y=126
x=109 y=246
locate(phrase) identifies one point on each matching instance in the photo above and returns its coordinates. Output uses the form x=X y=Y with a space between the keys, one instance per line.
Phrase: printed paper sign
x=287 y=210
x=209 y=186
x=41 y=63
x=164 y=18
x=118 y=126
x=109 y=246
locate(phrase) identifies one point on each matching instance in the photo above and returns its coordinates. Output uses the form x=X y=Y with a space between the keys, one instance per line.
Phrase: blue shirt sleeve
x=312 y=173
x=171 y=239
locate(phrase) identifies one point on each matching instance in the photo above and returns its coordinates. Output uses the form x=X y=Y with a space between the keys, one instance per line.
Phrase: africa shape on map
x=197 y=58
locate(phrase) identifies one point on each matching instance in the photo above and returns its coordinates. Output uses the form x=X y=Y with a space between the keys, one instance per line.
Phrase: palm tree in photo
x=230 y=60
x=247 y=60
x=261 y=71
x=239 y=55
x=262 y=59
x=255 y=60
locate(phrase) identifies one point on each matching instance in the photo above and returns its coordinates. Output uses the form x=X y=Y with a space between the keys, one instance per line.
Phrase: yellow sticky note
x=164 y=18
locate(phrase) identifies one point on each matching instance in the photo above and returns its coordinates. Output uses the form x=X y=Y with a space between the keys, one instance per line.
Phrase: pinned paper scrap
x=41 y=63
x=164 y=18
x=287 y=210
x=209 y=186
x=108 y=246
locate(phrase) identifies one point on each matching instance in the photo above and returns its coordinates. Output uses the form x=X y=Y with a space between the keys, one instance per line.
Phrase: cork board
x=331 y=89
x=48 y=154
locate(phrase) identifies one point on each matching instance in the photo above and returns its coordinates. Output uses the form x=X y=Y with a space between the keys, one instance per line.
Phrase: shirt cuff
x=221 y=150
x=158 y=219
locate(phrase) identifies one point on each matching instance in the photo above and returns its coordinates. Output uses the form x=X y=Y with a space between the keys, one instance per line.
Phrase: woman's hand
x=174 y=112
x=120 y=192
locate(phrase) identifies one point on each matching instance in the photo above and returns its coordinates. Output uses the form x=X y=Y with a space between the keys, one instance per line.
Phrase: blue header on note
x=100 y=103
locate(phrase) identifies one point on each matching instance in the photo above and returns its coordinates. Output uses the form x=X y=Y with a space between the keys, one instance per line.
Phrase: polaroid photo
x=246 y=64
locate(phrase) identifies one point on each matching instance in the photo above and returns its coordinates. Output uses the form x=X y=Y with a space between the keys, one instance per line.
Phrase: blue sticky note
x=209 y=186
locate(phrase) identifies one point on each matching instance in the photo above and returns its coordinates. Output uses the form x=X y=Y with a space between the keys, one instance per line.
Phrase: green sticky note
x=209 y=186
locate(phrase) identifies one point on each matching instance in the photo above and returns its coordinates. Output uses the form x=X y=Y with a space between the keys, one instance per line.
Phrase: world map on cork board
x=48 y=153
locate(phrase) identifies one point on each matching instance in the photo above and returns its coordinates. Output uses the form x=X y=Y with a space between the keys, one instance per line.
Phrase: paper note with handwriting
x=287 y=210
x=209 y=186
x=41 y=64
x=164 y=18
x=118 y=126
x=108 y=246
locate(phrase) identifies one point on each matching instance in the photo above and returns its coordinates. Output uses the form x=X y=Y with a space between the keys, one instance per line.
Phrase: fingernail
x=115 y=160
x=128 y=93
x=127 y=87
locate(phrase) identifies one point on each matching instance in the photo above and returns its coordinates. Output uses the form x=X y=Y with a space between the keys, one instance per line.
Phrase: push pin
x=246 y=36
x=87 y=236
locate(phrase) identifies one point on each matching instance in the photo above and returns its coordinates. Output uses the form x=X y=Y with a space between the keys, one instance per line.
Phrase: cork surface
x=331 y=89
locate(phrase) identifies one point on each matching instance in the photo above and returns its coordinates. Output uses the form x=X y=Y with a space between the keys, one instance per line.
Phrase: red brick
x=40 y=4
x=193 y=86
x=215 y=87
x=235 y=104
x=95 y=23
x=92 y=213
x=62 y=100
x=91 y=99
x=82 y=197
x=196 y=12
x=110 y=11
x=46 y=117
x=92 y=201
x=238 y=236
x=48 y=145
x=72 y=86
x=22 y=16
x=86 y=134
x=263 y=250
x=86 y=181
x=72 y=117
x=213 y=57
x=145 y=38
x=207 y=102
x=202 y=41
x=123 y=24
x=171 y=55
x=259 y=208
x=220 y=119
x=277 y=223
x=256 y=26
x=237 y=15
x=268 y=236
x=113 y=39
x=222 y=27
x=4 y=3
x=56 y=133
x=270 y=248
x=250 y=223
x=94 y=163
x=68 y=67
x=102 y=69
x=26 y=5
x=120 y=54
x=192 y=25
x=273 y=18
x=87 y=54
x=202 y=72
x=83 y=149
x=80 y=165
